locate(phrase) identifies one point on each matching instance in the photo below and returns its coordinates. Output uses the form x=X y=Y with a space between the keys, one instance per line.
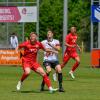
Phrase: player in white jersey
x=51 y=59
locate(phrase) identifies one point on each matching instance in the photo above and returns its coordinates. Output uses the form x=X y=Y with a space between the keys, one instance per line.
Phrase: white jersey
x=50 y=56
x=14 y=41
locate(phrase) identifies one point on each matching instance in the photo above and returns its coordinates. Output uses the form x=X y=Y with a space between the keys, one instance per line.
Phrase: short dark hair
x=13 y=33
x=51 y=31
x=33 y=33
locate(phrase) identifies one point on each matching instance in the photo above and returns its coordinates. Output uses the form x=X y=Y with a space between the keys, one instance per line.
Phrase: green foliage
x=30 y=27
x=51 y=12
x=51 y=15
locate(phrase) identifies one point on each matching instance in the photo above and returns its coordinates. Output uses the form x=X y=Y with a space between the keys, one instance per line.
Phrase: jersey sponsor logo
x=33 y=50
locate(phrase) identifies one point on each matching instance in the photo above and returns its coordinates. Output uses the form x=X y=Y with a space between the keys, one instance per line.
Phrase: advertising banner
x=10 y=57
x=18 y=14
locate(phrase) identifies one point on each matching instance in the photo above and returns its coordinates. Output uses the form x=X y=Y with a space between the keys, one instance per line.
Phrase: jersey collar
x=50 y=40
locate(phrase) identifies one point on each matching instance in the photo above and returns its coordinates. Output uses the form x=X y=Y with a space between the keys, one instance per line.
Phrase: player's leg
x=48 y=70
x=77 y=59
x=60 y=77
x=24 y=76
x=65 y=60
x=45 y=78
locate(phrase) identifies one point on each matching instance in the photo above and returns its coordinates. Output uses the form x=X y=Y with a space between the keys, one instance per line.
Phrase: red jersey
x=71 y=39
x=30 y=50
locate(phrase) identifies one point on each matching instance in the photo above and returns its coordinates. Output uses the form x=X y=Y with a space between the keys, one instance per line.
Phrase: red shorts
x=30 y=64
x=69 y=54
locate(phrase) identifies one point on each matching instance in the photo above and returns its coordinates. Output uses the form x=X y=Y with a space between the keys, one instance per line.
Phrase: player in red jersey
x=71 y=50
x=29 y=61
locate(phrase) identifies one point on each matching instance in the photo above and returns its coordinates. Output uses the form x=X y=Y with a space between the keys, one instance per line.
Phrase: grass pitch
x=86 y=85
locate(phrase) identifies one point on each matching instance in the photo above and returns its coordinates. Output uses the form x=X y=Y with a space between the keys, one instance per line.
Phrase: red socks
x=75 y=66
x=47 y=81
x=24 y=76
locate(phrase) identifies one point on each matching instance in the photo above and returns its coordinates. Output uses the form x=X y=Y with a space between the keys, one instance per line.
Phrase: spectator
x=13 y=41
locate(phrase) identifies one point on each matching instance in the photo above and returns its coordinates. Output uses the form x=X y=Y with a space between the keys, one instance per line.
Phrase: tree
x=51 y=15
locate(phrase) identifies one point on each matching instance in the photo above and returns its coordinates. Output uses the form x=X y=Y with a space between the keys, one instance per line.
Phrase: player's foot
x=61 y=90
x=71 y=74
x=18 y=87
x=54 y=77
x=51 y=90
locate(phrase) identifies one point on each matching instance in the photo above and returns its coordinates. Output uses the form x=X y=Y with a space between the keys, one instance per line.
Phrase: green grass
x=86 y=86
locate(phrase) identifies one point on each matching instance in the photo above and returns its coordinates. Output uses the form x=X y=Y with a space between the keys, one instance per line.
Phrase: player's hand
x=73 y=46
x=56 y=52
x=80 y=50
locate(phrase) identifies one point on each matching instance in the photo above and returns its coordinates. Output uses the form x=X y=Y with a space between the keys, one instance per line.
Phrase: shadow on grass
x=30 y=91
x=46 y=91
x=69 y=79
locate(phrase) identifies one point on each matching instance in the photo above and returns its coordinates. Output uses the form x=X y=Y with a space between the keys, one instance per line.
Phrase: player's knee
x=78 y=61
x=48 y=70
x=58 y=68
x=43 y=73
x=59 y=71
x=27 y=71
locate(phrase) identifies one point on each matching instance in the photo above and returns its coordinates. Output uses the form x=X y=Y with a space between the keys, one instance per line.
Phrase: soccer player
x=51 y=59
x=71 y=50
x=29 y=61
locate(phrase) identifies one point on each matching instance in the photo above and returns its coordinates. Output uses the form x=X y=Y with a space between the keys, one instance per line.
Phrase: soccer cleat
x=54 y=77
x=18 y=87
x=61 y=90
x=71 y=74
x=51 y=90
